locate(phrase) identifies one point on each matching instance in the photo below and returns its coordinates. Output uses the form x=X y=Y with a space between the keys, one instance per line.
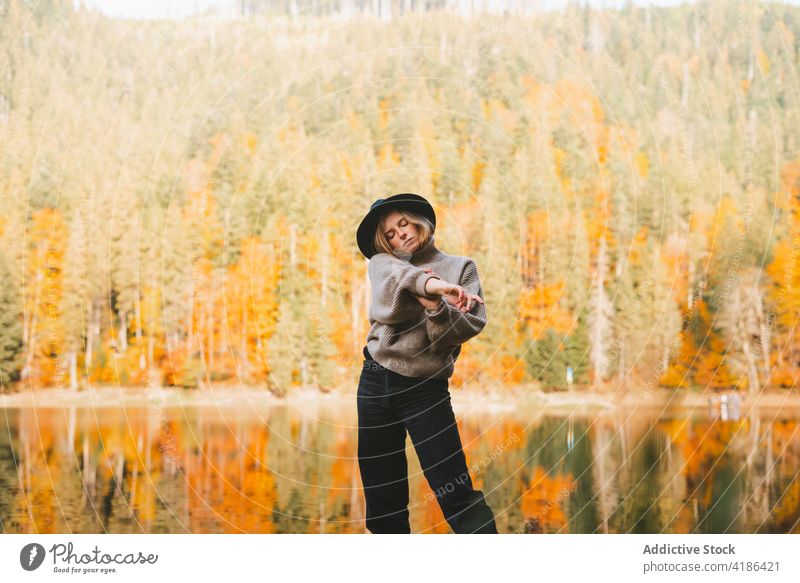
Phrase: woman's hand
x=470 y=301
x=453 y=293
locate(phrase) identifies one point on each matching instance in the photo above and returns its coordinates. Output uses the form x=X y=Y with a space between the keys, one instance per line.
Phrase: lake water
x=283 y=470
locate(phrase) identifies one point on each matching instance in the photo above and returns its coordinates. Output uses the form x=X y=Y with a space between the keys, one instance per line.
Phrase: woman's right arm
x=392 y=281
x=449 y=326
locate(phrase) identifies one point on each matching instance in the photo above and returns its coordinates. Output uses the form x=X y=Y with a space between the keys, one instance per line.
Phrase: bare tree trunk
x=386 y=10
x=138 y=315
x=89 y=343
x=71 y=424
x=752 y=371
x=150 y=358
x=600 y=319
x=123 y=331
x=765 y=339
x=73 y=369
x=246 y=366
x=743 y=327
x=210 y=332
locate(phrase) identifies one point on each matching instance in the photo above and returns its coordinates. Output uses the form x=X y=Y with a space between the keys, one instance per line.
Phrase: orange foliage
x=543 y=501
x=387 y=157
x=784 y=298
x=511 y=369
x=539 y=310
x=43 y=289
x=786 y=510
x=702 y=364
x=703 y=444
x=249 y=309
x=383 y=116
x=478 y=170
x=674 y=254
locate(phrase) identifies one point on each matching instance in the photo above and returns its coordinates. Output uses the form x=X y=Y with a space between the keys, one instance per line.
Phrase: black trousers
x=389 y=404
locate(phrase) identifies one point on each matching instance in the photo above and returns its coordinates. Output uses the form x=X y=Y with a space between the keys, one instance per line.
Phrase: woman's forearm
x=448 y=325
x=436 y=287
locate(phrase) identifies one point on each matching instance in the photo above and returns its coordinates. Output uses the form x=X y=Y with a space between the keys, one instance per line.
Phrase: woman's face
x=400 y=232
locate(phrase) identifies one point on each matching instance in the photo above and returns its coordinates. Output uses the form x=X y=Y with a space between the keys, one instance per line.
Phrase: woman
x=419 y=319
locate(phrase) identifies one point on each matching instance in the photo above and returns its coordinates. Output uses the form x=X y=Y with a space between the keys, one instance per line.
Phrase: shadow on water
x=278 y=470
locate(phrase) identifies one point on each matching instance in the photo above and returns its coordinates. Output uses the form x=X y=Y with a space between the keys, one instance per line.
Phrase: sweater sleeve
x=447 y=325
x=392 y=281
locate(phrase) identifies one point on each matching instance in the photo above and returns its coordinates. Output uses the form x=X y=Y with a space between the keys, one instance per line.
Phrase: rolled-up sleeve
x=447 y=325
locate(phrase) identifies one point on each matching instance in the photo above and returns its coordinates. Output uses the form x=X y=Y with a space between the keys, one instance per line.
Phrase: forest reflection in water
x=282 y=470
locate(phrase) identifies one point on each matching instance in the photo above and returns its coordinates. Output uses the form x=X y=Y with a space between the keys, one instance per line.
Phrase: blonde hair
x=425 y=227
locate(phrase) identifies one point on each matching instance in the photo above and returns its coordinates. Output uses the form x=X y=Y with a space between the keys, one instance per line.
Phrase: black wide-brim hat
x=405 y=201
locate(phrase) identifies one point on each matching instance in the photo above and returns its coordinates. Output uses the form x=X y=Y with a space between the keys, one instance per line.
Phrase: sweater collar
x=424 y=253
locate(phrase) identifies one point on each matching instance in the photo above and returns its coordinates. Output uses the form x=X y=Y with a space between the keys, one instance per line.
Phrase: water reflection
x=725 y=406
x=279 y=470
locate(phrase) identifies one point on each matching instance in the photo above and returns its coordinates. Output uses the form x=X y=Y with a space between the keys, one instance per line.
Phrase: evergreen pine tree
x=10 y=327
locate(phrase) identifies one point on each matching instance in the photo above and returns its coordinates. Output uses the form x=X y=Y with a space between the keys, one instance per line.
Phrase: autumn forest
x=179 y=198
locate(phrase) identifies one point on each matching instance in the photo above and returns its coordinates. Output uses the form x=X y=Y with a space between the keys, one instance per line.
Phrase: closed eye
x=389 y=234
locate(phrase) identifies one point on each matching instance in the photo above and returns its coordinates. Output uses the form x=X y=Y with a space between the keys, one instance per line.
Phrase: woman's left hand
x=469 y=302
x=465 y=305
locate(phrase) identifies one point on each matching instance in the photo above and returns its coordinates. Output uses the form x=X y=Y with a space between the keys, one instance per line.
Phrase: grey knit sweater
x=407 y=338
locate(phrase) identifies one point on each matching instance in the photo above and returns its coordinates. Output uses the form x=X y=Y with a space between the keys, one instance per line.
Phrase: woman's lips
x=409 y=241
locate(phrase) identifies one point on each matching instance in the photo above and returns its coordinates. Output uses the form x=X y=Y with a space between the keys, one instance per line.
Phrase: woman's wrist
x=433 y=287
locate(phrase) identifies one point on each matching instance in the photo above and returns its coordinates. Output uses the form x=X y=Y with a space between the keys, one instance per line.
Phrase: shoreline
x=500 y=399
